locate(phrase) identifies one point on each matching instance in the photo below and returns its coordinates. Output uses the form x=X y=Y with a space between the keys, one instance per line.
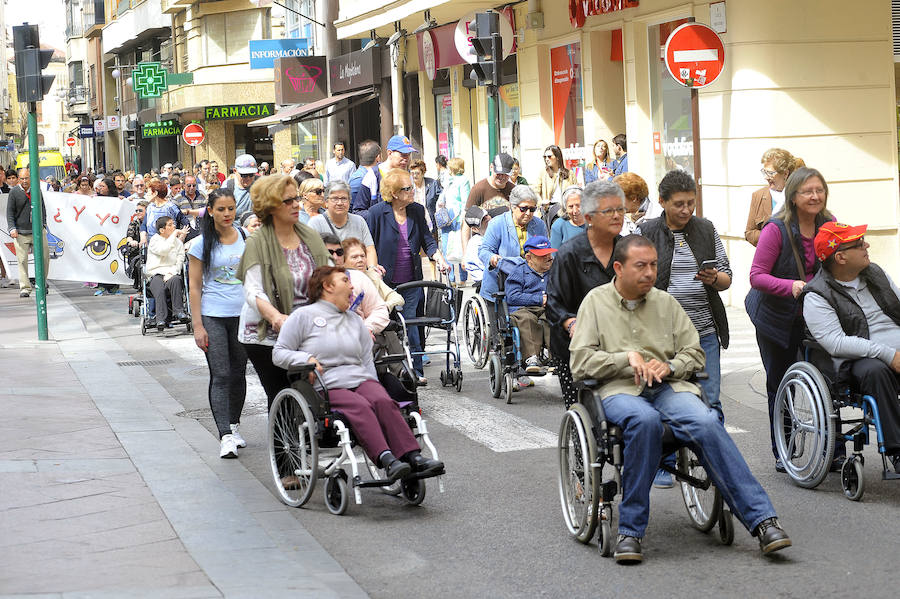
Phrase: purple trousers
x=375 y=419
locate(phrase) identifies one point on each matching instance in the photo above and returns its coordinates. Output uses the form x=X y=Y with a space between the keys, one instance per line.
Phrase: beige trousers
x=24 y=245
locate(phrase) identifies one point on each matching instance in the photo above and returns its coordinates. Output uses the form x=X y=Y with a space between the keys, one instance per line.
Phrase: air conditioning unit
x=131 y=123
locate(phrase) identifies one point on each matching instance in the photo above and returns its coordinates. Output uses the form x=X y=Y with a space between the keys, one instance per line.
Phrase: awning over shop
x=307 y=111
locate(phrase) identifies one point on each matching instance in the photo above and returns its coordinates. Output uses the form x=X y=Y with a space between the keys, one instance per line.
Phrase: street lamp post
x=117 y=75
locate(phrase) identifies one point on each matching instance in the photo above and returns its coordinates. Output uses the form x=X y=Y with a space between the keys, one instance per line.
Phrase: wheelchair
x=307 y=440
x=139 y=304
x=476 y=332
x=588 y=443
x=808 y=403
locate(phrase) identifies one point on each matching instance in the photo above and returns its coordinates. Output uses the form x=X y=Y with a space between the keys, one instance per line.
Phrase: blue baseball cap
x=400 y=143
x=538 y=245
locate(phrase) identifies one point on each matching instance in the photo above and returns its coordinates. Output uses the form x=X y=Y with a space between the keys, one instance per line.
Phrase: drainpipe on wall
x=398 y=58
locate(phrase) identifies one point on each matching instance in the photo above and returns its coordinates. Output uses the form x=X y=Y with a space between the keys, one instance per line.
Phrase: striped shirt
x=691 y=292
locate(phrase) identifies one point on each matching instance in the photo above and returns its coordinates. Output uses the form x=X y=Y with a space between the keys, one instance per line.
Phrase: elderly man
x=526 y=296
x=640 y=343
x=852 y=309
x=338 y=221
x=165 y=259
x=288 y=165
x=339 y=168
x=18 y=219
x=245 y=173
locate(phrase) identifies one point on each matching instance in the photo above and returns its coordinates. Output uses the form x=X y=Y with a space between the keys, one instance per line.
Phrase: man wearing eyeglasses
x=492 y=192
x=245 y=172
x=852 y=309
x=190 y=200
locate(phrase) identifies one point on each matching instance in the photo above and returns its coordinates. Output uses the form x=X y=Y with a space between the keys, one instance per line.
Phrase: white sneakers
x=236 y=433
x=228 y=447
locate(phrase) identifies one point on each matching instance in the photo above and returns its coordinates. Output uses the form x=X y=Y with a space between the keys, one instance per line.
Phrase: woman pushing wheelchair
x=327 y=333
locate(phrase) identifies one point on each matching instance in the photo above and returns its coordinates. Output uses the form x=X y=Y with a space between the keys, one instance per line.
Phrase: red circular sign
x=193 y=134
x=70 y=141
x=695 y=55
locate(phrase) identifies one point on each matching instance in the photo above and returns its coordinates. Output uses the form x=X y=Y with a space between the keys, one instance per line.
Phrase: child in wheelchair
x=526 y=296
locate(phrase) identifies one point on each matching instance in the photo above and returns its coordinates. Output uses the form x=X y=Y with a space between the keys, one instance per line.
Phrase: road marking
x=733 y=429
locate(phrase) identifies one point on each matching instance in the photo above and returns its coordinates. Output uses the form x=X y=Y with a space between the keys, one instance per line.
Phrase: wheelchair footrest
x=888 y=475
x=608 y=490
x=386 y=482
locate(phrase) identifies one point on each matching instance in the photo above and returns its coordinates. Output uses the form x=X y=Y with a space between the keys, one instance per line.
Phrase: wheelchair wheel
x=458 y=376
x=703 y=505
x=605 y=542
x=378 y=474
x=475 y=330
x=509 y=385
x=293 y=449
x=496 y=372
x=726 y=527
x=337 y=497
x=852 y=481
x=413 y=490
x=579 y=488
x=143 y=326
x=804 y=424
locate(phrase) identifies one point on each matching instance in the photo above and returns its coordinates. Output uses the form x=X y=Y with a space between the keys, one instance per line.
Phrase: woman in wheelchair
x=327 y=333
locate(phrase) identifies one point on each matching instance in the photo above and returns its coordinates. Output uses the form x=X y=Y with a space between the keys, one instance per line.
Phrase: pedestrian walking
x=777 y=166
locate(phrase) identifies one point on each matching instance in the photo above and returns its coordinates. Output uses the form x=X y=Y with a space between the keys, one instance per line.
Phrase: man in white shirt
x=340 y=167
x=165 y=259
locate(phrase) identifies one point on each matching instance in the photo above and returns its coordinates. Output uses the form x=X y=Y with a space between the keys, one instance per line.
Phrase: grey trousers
x=158 y=288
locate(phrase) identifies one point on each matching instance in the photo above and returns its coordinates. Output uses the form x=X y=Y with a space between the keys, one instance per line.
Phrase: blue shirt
x=563 y=230
x=223 y=294
x=153 y=212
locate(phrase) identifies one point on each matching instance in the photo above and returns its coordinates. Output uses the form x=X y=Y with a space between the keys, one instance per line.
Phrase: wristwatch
x=671 y=366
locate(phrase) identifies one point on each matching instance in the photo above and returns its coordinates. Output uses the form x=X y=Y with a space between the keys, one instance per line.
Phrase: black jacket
x=18 y=211
x=699 y=234
x=433 y=191
x=574 y=272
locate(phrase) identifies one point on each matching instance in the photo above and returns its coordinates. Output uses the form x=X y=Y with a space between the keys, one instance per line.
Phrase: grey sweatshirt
x=339 y=340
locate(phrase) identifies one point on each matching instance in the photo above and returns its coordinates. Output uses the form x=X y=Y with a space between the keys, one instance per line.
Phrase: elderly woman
x=784 y=262
x=338 y=221
x=399 y=230
x=572 y=223
x=638 y=206
x=582 y=263
x=160 y=206
x=275 y=268
x=777 y=166
x=367 y=302
x=312 y=194
x=601 y=167
x=355 y=258
x=330 y=335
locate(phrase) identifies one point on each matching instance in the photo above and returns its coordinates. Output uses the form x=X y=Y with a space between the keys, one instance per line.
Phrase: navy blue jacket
x=433 y=191
x=360 y=195
x=386 y=232
x=524 y=287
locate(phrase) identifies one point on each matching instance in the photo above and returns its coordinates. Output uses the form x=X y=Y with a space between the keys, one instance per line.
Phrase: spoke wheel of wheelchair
x=509 y=383
x=337 y=496
x=605 y=540
x=475 y=330
x=852 y=481
x=804 y=424
x=293 y=449
x=703 y=505
x=726 y=526
x=579 y=488
x=496 y=372
x=413 y=490
x=378 y=474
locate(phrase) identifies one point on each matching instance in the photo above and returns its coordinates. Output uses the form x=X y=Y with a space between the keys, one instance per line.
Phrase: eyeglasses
x=526 y=208
x=318 y=192
x=819 y=191
x=190 y=185
x=768 y=174
x=290 y=201
x=248 y=175
x=548 y=155
x=858 y=244
x=337 y=252
x=339 y=200
x=620 y=211
x=407 y=188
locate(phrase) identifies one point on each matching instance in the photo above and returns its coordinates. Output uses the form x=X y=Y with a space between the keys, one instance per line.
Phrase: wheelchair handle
x=421 y=284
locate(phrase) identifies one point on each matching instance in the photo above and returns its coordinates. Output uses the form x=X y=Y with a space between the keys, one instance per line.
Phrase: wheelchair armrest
x=390 y=359
x=700 y=375
x=812 y=344
x=587 y=384
x=300 y=371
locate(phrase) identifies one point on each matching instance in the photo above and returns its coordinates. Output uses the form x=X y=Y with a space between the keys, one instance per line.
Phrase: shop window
x=509 y=120
x=443 y=109
x=568 y=102
x=670 y=108
x=305 y=138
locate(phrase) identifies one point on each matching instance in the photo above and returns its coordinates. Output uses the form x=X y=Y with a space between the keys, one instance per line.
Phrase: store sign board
x=264 y=53
x=465 y=31
x=563 y=75
x=300 y=80
x=112 y=122
x=429 y=54
x=99 y=126
x=354 y=71
x=695 y=55
x=160 y=129
x=85 y=131
x=580 y=10
x=238 y=111
x=149 y=80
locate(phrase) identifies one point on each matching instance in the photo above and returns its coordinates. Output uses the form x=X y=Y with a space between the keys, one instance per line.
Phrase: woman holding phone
x=694 y=268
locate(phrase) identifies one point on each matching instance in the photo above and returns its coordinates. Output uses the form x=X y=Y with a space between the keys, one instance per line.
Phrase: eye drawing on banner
x=98 y=247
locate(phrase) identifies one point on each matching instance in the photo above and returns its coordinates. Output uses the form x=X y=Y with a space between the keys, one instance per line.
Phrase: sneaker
x=524 y=382
x=771 y=536
x=25 y=293
x=663 y=480
x=426 y=361
x=236 y=435
x=628 y=550
x=228 y=448
x=532 y=365
x=895 y=462
x=98 y=293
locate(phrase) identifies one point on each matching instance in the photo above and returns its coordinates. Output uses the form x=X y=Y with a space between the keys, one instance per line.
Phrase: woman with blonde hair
x=777 y=166
x=312 y=196
x=602 y=166
x=275 y=268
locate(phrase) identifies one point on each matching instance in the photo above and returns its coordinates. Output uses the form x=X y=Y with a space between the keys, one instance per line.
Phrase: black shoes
x=394 y=469
x=422 y=465
x=628 y=550
x=895 y=461
x=771 y=536
x=180 y=317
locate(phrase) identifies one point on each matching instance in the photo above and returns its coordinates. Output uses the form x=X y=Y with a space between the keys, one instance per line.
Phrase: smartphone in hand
x=707 y=265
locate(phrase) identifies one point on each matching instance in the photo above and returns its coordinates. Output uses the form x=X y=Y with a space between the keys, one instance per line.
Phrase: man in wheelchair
x=165 y=261
x=640 y=342
x=852 y=309
x=526 y=296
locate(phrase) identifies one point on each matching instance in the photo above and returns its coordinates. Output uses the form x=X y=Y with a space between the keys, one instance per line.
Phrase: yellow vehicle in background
x=52 y=163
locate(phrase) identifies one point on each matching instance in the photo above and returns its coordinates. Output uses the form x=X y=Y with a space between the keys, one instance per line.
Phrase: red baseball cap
x=831 y=235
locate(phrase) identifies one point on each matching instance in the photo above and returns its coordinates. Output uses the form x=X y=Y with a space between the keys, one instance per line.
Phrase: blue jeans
x=641 y=419
x=712 y=385
x=411 y=299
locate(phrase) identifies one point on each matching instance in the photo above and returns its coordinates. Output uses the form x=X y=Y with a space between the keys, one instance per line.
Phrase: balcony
x=134 y=26
x=77 y=100
x=94 y=18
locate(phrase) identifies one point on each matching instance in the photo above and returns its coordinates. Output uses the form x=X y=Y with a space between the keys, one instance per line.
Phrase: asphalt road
x=497 y=530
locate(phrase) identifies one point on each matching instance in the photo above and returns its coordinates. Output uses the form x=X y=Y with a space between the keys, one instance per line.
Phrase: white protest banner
x=86 y=236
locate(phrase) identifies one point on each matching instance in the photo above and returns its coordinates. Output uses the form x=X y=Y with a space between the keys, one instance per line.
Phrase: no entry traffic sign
x=694 y=55
x=193 y=134
x=70 y=141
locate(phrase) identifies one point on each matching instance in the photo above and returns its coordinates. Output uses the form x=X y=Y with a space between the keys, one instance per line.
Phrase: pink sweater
x=767 y=251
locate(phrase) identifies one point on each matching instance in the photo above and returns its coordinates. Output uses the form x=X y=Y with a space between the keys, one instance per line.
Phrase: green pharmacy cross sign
x=149 y=79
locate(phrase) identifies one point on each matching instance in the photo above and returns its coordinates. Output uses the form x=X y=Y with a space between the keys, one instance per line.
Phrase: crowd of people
x=299 y=265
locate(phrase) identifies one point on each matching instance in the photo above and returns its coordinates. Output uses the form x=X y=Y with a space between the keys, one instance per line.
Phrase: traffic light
x=31 y=84
x=488 y=47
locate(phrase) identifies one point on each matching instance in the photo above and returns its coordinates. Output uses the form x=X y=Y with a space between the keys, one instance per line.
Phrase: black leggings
x=273 y=378
x=227 y=361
